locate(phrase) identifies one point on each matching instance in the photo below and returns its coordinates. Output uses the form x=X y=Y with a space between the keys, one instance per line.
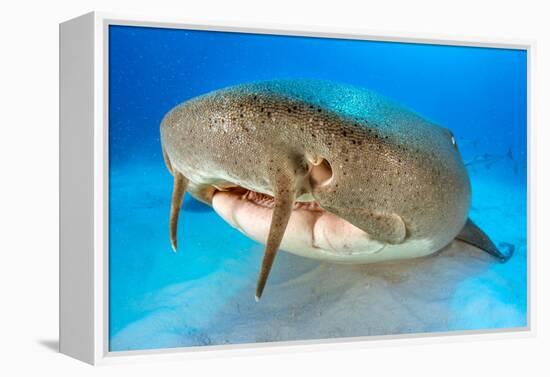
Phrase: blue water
x=204 y=294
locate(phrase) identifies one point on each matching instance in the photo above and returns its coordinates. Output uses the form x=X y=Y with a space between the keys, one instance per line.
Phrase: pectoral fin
x=384 y=227
x=473 y=235
x=387 y=227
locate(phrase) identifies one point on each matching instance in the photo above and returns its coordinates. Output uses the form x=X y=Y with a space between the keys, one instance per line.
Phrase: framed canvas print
x=233 y=189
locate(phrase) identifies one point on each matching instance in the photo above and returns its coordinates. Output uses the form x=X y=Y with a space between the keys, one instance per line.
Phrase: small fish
x=488 y=160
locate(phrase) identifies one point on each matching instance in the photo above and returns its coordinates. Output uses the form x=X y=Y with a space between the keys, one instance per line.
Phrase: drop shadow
x=51 y=344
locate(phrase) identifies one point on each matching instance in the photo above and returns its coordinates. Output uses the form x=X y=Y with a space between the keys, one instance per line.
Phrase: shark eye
x=452 y=138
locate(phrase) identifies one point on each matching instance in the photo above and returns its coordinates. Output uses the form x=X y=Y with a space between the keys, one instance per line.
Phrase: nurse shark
x=323 y=170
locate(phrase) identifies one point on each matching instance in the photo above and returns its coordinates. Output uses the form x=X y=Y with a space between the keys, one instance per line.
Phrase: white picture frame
x=84 y=190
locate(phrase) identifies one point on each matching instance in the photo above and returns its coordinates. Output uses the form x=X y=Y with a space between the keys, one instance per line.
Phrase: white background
x=29 y=184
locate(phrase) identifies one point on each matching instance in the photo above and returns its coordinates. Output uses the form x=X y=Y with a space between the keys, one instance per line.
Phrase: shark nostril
x=320 y=174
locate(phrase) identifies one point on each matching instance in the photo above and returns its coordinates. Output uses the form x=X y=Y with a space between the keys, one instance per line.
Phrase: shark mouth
x=311 y=231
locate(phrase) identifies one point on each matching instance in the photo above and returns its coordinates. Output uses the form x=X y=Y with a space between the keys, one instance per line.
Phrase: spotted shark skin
x=337 y=172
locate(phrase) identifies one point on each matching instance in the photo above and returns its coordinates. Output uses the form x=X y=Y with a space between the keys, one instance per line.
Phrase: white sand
x=205 y=294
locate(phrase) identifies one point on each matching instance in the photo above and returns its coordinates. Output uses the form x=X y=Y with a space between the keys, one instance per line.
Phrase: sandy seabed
x=204 y=294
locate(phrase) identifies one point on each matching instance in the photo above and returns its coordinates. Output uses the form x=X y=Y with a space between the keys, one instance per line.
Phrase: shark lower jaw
x=311 y=232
